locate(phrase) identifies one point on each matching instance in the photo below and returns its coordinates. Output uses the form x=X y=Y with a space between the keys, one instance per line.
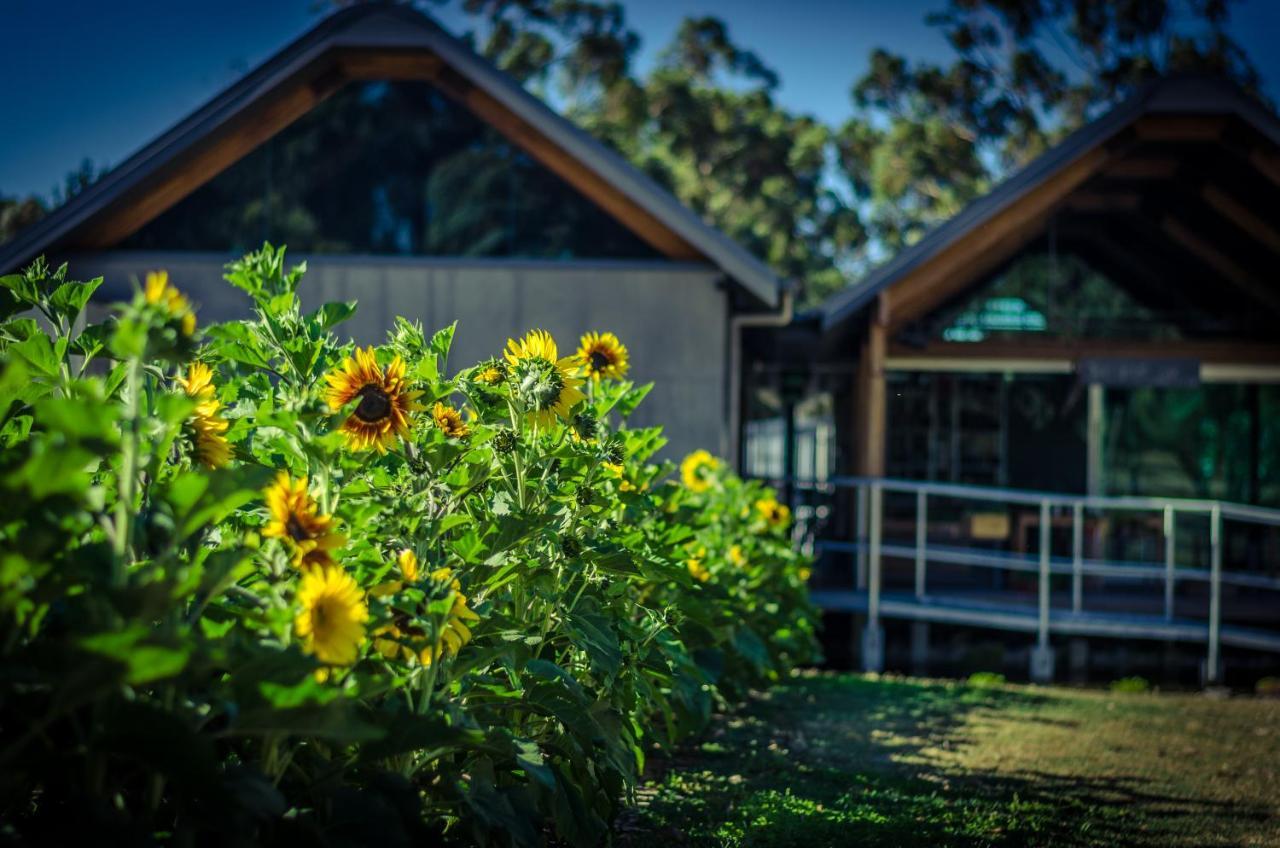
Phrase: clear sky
x=83 y=78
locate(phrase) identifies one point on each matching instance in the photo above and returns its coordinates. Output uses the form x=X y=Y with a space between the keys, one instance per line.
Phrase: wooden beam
x=1058 y=350
x=387 y=64
x=1180 y=127
x=1242 y=217
x=1268 y=163
x=1104 y=201
x=1144 y=168
x=1232 y=271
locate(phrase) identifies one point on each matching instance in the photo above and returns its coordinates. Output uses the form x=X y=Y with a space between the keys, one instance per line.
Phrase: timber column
x=870 y=410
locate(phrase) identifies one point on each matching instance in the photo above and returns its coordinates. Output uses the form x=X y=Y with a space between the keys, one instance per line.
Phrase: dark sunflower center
x=600 y=360
x=374 y=404
x=297 y=532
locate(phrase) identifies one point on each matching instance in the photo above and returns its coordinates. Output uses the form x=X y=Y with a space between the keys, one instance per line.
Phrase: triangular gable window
x=392 y=168
x=1052 y=297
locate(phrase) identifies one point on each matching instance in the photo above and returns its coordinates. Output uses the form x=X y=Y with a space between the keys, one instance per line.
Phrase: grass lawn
x=846 y=760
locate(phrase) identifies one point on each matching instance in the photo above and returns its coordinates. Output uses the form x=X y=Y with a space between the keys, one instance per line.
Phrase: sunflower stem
x=128 y=473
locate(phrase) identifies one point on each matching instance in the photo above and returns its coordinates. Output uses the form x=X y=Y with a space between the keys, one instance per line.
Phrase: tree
x=17 y=213
x=1026 y=74
x=704 y=123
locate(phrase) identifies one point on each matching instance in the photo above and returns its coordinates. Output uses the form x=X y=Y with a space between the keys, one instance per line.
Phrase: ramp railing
x=937 y=534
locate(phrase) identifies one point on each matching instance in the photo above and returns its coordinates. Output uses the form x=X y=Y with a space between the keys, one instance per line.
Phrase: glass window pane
x=1047 y=296
x=1216 y=441
x=391 y=168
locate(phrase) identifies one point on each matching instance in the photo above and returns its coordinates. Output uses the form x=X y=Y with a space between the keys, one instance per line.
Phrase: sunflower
x=696 y=469
x=617 y=470
x=603 y=355
x=491 y=372
x=331 y=622
x=385 y=402
x=296 y=520
x=736 y=556
x=697 y=570
x=158 y=292
x=449 y=421
x=208 y=426
x=408 y=563
x=776 y=515
x=547 y=386
x=453 y=632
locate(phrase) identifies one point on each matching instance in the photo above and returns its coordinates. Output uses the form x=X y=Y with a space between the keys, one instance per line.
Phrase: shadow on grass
x=837 y=760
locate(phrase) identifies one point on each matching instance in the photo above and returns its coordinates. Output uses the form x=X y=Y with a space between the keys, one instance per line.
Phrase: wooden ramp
x=1043 y=563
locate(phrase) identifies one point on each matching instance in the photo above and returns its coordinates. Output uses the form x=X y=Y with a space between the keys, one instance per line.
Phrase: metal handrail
x=869 y=553
x=1230 y=509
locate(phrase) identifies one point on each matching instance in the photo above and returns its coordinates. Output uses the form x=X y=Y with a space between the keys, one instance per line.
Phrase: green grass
x=844 y=760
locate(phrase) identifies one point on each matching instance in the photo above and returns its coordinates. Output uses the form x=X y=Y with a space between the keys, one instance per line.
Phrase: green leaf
x=631 y=399
x=69 y=299
x=23 y=287
x=451 y=521
x=441 y=343
x=332 y=314
x=531 y=760
x=199 y=498
x=37 y=351
x=144 y=657
x=307 y=691
x=424 y=733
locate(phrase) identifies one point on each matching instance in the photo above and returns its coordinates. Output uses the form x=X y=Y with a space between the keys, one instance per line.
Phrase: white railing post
x=922 y=539
x=1170 y=536
x=1042 y=654
x=873 y=634
x=1213 y=669
x=860 y=536
x=1077 y=557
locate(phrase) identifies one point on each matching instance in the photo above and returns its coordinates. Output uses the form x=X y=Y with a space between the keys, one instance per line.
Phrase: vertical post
x=922 y=539
x=1170 y=535
x=1042 y=654
x=1213 y=670
x=1096 y=421
x=1077 y=557
x=860 y=536
x=873 y=635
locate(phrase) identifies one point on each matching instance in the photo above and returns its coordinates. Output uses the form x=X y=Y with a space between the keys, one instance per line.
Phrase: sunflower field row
x=258 y=586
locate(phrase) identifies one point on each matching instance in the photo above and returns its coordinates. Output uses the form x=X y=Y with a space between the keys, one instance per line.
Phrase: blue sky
x=87 y=79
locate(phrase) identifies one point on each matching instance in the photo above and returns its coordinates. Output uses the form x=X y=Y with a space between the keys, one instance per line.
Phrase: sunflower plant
x=259 y=585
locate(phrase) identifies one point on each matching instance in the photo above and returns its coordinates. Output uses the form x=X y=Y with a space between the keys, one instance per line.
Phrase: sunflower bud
x=505 y=441
x=538 y=384
x=616 y=453
x=584 y=496
x=586 y=425
x=570 y=547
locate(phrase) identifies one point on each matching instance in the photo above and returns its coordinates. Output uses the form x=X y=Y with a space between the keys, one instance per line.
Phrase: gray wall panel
x=672 y=317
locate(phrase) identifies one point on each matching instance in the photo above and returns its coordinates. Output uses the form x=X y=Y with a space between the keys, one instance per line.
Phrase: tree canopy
x=821 y=203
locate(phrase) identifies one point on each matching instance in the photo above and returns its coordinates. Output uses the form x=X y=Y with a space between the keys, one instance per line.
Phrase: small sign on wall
x=1123 y=372
x=989 y=526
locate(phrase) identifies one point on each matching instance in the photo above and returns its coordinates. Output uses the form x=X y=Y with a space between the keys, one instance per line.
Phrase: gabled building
x=416 y=178
x=1105 y=321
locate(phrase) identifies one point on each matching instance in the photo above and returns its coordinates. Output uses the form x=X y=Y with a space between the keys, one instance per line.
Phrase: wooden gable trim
x=966 y=260
x=231 y=142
